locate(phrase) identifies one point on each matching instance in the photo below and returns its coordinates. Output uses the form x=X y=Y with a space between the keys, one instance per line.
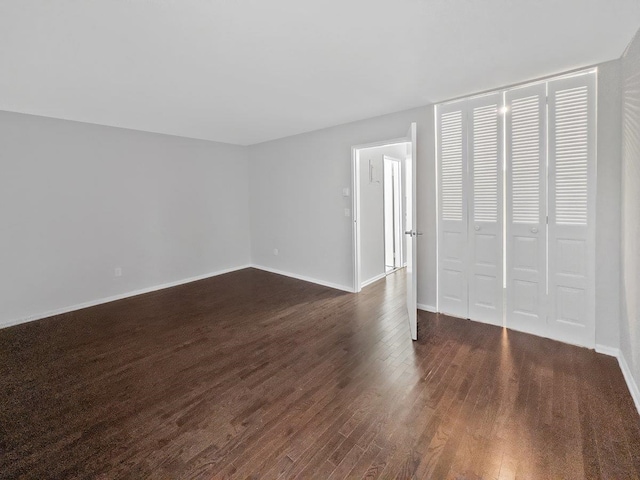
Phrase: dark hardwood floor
x=253 y=375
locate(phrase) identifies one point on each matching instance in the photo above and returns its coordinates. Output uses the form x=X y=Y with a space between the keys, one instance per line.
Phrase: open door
x=411 y=231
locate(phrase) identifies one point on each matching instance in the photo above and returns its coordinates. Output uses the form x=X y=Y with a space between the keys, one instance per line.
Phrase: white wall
x=78 y=200
x=372 y=244
x=297 y=205
x=630 y=295
x=608 y=206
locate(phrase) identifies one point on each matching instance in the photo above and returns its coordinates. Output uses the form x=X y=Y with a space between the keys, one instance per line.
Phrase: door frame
x=355 y=204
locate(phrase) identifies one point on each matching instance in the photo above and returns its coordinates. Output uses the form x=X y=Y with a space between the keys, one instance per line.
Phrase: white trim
x=381 y=143
x=571 y=73
x=427 y=308
x=631 y=383
x=373 y=279
x=304 y=278
x=113 y=298
x=606 y=350
x=392 y=159
x=355 y=217
x=437 y=205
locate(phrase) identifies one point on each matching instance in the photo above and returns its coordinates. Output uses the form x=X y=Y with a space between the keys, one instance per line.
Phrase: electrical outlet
x=346 y=192
x=275 y=252
x=117 y=272
x=347 y=212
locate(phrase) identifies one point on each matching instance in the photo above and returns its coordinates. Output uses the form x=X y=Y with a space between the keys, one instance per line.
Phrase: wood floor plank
x=255 y=375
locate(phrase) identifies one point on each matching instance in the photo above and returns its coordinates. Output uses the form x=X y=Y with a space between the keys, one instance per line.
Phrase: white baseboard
x=606 y=350
x=304 y=278
x=93 y=303
x=631 y=383
x=427 y=308
x=373 y=280
x=626 y=372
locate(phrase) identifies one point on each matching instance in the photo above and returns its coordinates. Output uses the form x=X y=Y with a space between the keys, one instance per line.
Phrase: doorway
x=393 y=213
x=380 y=210
x=370 y=257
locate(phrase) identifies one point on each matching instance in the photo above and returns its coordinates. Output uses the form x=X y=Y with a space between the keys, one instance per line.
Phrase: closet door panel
x=526 y=209
x=572 y=170
x=485 y=208
x=452 y=209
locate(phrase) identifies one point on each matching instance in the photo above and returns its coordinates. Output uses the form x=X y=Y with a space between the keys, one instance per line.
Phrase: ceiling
x=247 y=71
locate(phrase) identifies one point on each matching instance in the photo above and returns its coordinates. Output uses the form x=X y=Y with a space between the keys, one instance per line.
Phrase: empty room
x=319 y=240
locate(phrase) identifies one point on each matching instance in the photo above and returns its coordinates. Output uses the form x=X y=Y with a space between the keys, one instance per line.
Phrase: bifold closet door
x=485 y=208
x=526 y=234
x=572 y=174
x=452 y=209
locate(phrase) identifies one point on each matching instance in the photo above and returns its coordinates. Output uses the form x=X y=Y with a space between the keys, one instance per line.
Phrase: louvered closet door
x=572 y=168
x=485 y=208
x=452 y=210
x=526 y=209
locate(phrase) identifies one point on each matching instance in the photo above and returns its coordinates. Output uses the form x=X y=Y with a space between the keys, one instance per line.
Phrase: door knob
x=477 y=227
x=534 y=230
x=408 y=232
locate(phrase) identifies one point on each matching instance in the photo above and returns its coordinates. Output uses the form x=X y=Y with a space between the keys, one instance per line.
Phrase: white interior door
x=572 y=174
x=452 y=210
x=485 y=208
x=411 y=231
x=526 y=209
